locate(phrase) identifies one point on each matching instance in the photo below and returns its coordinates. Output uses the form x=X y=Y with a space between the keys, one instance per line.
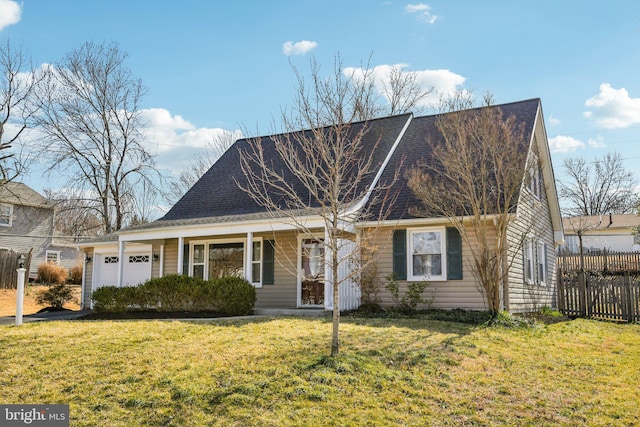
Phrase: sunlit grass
x=276 y=372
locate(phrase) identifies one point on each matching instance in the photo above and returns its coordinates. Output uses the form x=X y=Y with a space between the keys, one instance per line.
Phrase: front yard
x=273 y=372
x=8 y=300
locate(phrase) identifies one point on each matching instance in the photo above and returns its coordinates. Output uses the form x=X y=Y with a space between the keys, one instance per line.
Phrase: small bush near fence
x=50 y=272
x=56 y=296
x=75 y=274
x=226 y=295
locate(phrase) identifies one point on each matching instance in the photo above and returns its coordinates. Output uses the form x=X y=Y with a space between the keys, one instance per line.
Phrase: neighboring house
x=610 y=232
x=26 y=223
x=217 y=228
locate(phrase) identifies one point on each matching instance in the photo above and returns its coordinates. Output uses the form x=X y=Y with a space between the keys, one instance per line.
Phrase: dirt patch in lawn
x=8 y=300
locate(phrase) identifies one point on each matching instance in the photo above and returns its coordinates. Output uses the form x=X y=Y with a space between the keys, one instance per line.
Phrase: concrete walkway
x=264 y=312
x=39 y=317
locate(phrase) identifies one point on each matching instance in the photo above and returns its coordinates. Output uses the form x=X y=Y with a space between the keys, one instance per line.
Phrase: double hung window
x=427 y=250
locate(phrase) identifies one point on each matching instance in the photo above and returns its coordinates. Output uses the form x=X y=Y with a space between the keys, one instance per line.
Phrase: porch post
x=161 y=272
x=180 y=254
x=120 y=263
x=249 y=258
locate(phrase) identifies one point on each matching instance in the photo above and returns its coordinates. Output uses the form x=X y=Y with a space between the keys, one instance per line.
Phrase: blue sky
x=213 y=65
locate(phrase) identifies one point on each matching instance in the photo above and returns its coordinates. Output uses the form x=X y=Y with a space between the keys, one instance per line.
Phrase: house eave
x=222 y=228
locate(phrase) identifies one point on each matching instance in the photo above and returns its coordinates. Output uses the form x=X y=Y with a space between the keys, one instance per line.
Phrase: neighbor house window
x=52 y=257
x=427 y=254
x=6 y=215
x=528 y=260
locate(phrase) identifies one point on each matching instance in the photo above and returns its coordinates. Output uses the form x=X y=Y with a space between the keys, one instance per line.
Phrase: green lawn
x=276 y=372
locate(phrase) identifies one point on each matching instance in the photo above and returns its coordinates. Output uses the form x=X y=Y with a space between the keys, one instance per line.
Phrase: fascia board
x=220 y=229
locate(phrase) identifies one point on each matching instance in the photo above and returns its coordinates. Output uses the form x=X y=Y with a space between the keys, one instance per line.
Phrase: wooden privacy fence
x=9 y=267
x=607 y=261
x=588 y=295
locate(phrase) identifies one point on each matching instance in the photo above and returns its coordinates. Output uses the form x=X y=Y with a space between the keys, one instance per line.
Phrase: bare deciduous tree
x=90 y=118
x=75 y=216
x=179 y=185
x=403 y=91
x=473 y=179
x=323 y=171
x=17 y=82
x=599 y=188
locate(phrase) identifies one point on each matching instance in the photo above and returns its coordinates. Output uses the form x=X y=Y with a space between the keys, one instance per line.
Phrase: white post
x=180 y=254
x=161 y=272
x=120 y=264
x=20 y=295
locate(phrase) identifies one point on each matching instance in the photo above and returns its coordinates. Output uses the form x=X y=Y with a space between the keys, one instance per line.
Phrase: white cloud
x=613 y=108
x=298 y=48
x=423 y=12
x=443 y=82
x=597 y=142
x=175 y=140
x=10 y=13
x=553 y=121
x=564 y=144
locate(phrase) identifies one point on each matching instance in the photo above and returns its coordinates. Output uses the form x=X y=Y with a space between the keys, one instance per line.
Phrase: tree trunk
x=335 y=337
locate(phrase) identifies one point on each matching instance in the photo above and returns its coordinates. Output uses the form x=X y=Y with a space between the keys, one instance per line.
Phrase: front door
x=312 y=273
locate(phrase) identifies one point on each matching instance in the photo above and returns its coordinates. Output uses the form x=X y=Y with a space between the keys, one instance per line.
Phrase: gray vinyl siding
x=447 y=294
x=533 y=221
x=283 y=292
x=170 y=256
x=29 y=229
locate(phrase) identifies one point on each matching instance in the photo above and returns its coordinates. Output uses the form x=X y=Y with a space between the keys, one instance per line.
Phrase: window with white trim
x=534 y=184
x=541 y=260
x=6 y=215
x=427 y=254
x=217 y=258
x=197 y=264
x=527 y=256
x=52 y=257
x=256 y=263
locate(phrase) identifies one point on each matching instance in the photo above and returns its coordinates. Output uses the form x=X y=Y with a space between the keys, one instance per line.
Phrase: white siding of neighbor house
x=34 y=223
x=533 y=220
x=447 y=294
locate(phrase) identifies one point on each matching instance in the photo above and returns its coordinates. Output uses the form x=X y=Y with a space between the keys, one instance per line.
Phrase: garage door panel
x=136 y=270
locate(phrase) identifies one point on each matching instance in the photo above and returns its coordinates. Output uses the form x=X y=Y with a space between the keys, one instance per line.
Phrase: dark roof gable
x=414 y=149
x=217 y=193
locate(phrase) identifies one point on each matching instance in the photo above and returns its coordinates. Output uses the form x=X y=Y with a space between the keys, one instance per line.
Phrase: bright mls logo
x=34 y=415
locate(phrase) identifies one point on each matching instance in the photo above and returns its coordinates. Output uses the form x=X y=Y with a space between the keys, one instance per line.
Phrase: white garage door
x=137 y=269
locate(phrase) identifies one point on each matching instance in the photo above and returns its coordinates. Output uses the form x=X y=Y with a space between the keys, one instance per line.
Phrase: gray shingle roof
x=216 y=197
x=217 y=193
x=17 y=193
x=414 y=149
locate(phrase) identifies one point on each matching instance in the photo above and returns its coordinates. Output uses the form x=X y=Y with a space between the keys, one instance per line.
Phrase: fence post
x=582 y=293
x=560 y=291
x=627 y=295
